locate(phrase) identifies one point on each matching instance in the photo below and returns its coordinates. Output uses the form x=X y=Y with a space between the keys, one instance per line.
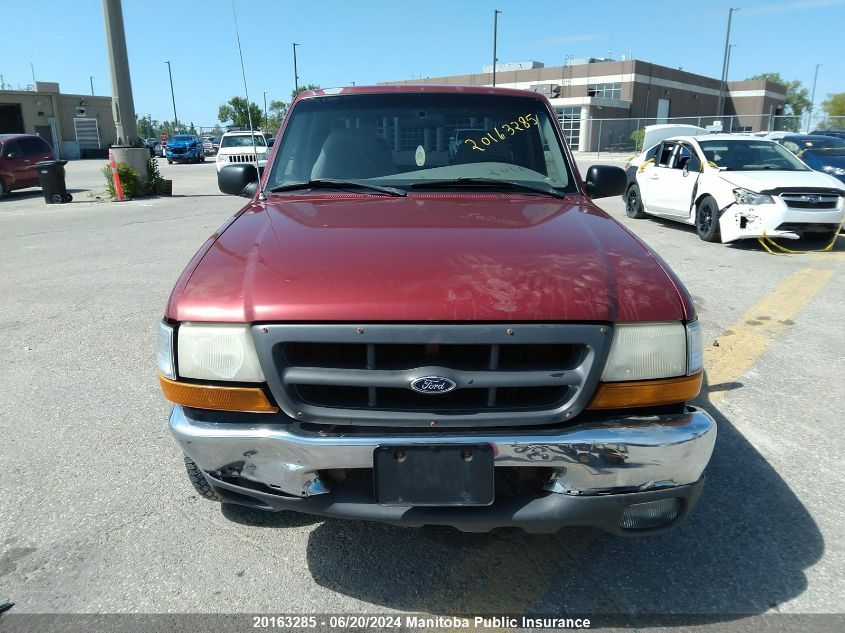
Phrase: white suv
x=238 y=147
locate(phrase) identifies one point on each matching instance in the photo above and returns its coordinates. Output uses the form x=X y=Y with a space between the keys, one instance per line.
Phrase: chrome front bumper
x=611 y=457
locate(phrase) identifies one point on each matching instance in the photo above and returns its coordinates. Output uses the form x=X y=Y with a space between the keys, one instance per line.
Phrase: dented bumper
x=777 y=220
x=624 y=461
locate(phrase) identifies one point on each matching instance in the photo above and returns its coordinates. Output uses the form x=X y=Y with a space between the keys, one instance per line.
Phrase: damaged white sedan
x=733 y=187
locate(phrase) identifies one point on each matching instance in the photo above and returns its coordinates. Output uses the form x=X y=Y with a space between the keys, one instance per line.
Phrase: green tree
x=275 y=114
x=293 y=93
x=834 y=105
x=797 y=99
x=235 y=110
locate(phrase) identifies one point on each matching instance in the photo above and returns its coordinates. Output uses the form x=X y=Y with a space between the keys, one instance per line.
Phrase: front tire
x=169 y=162
x=633 y=203
x=3 y=190
x=707 y=219
x=199 y=482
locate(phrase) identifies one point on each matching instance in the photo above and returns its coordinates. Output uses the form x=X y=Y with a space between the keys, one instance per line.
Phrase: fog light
x=642 y=516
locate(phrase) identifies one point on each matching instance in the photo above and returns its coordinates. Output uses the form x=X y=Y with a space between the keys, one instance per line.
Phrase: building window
x=605 y=91
x=570 y=123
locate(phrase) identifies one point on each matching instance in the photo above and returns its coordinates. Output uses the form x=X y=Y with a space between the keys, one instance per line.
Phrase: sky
x=369 y=41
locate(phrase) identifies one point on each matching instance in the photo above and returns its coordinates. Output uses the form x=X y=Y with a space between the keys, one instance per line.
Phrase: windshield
x=399 y=140
x=823 y=146
x=182 y=138
x=242 y=140
x=743 y=155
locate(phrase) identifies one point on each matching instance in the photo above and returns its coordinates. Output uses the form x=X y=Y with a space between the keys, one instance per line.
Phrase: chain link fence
x=625 y=136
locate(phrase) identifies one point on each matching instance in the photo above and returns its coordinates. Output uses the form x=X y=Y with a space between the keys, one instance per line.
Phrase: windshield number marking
x=521 y=124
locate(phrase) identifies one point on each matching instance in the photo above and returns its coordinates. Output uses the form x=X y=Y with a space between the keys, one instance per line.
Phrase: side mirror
x=238 y=180
x=603 y=181
x=270 y=141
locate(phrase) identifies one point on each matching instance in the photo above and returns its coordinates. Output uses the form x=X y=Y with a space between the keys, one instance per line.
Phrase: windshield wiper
x=485 y=182
x=332 y=183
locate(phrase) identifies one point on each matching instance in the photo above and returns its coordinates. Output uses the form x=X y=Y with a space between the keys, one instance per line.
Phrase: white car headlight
x=217 y=351
x=222 y=157
x=644 y=351
x=164 y=351
x=745 y=196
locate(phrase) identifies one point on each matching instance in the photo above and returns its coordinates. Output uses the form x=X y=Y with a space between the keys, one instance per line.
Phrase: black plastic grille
x=402 y=356
x=811 y=201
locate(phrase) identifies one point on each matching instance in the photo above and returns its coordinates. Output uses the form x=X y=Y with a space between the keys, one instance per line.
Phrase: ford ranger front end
x=394 y=331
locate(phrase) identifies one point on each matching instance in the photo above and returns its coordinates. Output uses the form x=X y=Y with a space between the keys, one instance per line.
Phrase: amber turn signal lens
x=644 y=393
x=246 y=399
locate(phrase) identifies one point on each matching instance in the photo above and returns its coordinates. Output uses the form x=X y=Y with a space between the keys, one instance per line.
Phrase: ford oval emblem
x=432 y=384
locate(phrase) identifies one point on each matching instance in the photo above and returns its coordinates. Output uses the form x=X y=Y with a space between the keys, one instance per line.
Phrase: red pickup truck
x=390 y=330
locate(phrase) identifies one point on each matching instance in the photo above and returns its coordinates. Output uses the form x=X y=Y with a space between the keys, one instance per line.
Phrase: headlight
x=744 y=196
x=222 y=157
x=643 y=351
x=834 y=171
x=164 y=351
x=212 y=351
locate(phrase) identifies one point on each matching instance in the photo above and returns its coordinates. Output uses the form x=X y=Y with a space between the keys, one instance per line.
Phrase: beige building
x=601 y=102
x=75 y=126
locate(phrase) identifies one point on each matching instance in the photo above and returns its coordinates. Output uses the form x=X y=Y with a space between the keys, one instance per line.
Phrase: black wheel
x=199 y=482
x=169 y=162
x=707 y=220
x=202 y=158
x=57 y=198
x=2 y=188
x=67 y=198
x=633 y=203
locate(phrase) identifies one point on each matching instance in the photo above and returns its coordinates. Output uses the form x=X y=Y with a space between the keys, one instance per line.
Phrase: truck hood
x=759 y=181
x=425 y=257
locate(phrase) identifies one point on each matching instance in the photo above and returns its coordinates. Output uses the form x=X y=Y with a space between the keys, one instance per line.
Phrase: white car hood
x=775 y=179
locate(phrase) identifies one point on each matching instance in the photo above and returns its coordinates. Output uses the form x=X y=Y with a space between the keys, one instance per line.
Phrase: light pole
x=725 y=65
x=496 y=13
x=728 y=65
x=295 y=74
x=812 y=98
x=91 y=79
x=265 y=109
x=173 y=98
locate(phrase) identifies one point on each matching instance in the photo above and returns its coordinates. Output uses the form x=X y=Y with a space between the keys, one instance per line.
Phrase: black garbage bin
x=51 y=174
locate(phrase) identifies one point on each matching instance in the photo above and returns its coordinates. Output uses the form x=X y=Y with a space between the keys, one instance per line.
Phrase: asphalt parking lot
x=97 y=514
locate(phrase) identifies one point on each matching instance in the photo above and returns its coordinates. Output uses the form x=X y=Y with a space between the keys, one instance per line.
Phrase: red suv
x=18 y=155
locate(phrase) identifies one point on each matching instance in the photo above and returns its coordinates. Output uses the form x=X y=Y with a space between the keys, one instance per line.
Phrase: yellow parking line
x=739 y=347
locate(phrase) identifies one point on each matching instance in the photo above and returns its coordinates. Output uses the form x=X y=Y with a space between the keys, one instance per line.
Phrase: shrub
x=155 y=183
x=637 y=137
x=128 y=180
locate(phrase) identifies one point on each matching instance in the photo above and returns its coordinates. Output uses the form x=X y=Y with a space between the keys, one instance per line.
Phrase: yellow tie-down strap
x=767 y=243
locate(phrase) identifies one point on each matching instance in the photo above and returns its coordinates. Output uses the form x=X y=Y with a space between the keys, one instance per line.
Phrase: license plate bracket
x=434 y=475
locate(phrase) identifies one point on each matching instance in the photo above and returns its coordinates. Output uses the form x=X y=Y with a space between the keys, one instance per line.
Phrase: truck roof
x=416 y=88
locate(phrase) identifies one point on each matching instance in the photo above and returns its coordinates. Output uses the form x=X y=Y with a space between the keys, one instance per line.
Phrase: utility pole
x=295 y=75
x=173 y=98
x=721 y=107
x=812 y=98
x=91 y=79
x=123 y=106
x=496 y=13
